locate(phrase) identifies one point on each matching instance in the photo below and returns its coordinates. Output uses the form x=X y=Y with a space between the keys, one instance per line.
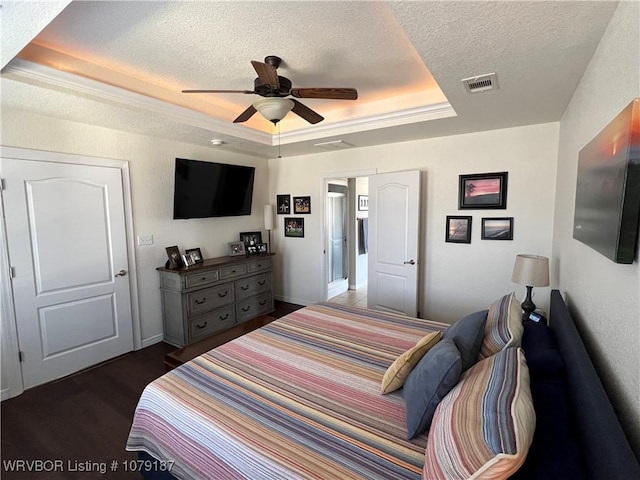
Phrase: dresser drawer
x=202 y=278
x=209 y=298
x=251 y=307
x=252 y=285
x=233 y=271
x=259 y=265
x=212 y=322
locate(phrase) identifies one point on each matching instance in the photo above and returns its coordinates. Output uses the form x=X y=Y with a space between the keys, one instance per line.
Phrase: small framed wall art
x=363 y=203
x=458 y=229
x=483 y=191
x=301 y=204
x=283 y=204
x=294 y=227
x=497 y=228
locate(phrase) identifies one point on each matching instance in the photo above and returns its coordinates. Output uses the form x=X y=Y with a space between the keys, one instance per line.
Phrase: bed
x=300 y=399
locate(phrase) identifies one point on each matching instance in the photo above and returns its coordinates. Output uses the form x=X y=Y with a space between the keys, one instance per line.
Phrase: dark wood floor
x=83 y=417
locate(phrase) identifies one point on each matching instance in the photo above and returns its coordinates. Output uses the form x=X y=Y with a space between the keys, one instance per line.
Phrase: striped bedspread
x=297 y=399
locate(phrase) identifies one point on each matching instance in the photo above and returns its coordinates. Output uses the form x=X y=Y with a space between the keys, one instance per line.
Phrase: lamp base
x=527 y=305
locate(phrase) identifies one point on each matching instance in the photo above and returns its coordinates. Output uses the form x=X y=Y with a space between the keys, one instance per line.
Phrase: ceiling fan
x=275 y=88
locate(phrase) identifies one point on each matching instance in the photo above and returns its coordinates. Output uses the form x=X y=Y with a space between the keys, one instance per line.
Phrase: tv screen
x=608 y=188
x=207 y=189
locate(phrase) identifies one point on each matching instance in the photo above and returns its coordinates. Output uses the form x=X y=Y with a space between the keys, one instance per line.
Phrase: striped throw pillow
x=504 y=326
x=484 y=427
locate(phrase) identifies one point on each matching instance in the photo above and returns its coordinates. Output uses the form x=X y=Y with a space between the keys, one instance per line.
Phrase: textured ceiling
x=123 y=64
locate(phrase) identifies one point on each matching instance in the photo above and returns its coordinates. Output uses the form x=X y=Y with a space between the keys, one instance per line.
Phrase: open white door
x=394 y=227
x=66 y=237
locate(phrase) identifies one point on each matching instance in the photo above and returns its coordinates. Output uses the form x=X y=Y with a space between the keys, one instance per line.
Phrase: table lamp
x=268 y=221
x=530 y=271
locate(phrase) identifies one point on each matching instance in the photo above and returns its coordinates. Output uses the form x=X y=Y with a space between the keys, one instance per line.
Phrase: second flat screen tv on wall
x=208 y=189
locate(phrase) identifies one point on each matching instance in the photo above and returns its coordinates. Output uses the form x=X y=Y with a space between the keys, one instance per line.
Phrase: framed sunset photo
x=483 y=191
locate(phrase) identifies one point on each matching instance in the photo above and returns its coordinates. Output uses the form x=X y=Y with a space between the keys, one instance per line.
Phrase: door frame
x=7 y=288
x=326 y=177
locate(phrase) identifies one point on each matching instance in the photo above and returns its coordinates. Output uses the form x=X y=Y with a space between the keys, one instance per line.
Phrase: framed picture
x=483 y=190
x=187 y=260
x=458 y=229
x=497 y=228
x=262 y=248
x=251 y=239
x=174 y=257
x=294 y=227
x=283 y=204
x=236 y=248
x=195 y=254
x=363 y=202
x=252 y=249
x=301 y=204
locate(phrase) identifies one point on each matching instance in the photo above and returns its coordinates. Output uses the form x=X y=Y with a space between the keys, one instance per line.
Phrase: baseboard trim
x=297 y=301
x=147 y=342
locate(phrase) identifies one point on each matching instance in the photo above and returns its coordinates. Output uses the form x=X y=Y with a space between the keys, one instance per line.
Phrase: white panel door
x=394 y=214
x=66 y=238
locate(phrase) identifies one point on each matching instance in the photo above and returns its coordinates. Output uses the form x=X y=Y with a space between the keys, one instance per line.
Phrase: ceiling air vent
x=481 y=83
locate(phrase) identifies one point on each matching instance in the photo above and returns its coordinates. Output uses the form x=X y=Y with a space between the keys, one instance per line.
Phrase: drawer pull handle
x=201 y=326
x=259 y=265
x=262 y=282
x=244 y=287
x=263 y=303
x=246 y=309
x=223 y=318
x=233 y=271
x=222 y=295
x=200 y=302
x=203 y=278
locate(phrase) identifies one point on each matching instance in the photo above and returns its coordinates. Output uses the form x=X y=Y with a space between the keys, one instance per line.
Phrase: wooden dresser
x=209 y=297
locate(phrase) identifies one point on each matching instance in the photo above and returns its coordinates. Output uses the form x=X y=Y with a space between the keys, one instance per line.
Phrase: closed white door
x=394 y=226
x=67 y=247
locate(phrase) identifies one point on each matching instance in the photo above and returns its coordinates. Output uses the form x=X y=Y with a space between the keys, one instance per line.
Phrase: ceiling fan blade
x=330 y=93
x=246 y=115
x=306 y=113
x=266 y=73
x=218 y=91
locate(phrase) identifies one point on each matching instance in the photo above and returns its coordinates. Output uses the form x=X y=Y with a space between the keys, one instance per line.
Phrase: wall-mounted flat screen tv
x=607 y=206
x=207 y=189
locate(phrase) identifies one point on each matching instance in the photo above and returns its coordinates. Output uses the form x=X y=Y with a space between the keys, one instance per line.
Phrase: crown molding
x=48 y=77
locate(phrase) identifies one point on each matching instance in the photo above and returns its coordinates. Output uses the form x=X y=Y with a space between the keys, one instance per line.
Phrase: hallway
x=354 y=298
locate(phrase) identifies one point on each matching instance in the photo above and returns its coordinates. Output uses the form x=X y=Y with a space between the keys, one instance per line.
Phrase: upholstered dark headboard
x=605 y=450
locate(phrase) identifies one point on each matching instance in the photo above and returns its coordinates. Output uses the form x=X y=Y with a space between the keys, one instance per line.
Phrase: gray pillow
x=468 y=333
x=429 y=381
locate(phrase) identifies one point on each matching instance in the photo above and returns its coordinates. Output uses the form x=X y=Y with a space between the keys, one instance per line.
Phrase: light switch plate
x=145 y=239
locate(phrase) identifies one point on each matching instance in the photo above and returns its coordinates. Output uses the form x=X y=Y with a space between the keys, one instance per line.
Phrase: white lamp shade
x=531 y=270
x=268 y=217
x=274 y=109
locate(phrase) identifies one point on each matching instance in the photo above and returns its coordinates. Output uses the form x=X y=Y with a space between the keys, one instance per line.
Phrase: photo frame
x=483 y=191
x=236 y=248
x=174 y=261
x=250 y=239
x=283 y=204
x=187 y=260
x=195 y=254
x=302 y=205
x=294 y=227
x=363 y=203
x=497 y=228
x=458 y=229
x=262 y=248
x=252 y=249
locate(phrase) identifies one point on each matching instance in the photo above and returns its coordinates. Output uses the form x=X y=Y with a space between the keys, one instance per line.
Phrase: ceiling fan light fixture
x=274 y=109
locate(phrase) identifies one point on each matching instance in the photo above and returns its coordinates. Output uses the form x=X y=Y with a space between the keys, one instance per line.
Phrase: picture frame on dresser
x=236 y=249
x=174 y=261
x=195 y=254
x=251 y=238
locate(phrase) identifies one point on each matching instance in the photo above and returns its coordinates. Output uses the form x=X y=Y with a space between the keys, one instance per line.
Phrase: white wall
x=360 y=280
x=152 y=169
x=456 y=278
x=604 y=297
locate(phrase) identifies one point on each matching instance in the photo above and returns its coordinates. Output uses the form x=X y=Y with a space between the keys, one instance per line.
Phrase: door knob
x=410 y=262
x=121 y=273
